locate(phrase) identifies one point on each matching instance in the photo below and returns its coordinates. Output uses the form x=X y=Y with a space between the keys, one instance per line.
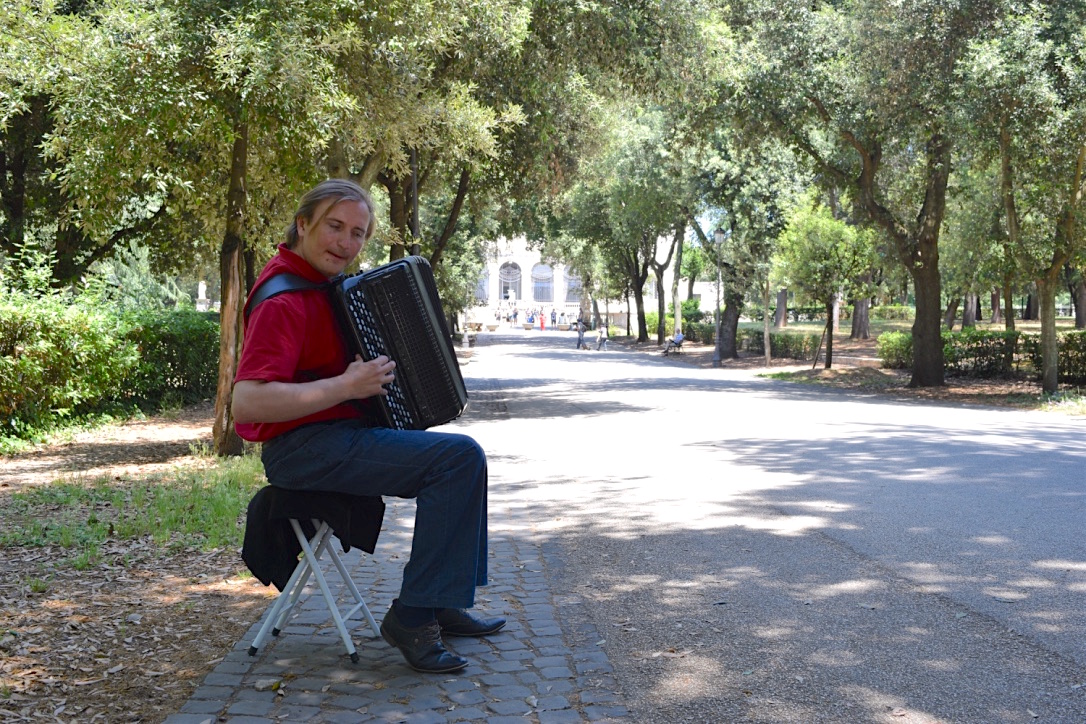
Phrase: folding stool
x=309 y=565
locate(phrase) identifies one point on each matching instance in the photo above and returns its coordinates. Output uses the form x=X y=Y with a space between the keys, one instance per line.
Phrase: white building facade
x=516 y=279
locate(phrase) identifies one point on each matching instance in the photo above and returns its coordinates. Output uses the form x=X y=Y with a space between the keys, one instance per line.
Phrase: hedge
x=60 y=362
x=986 y=354
x=57 y=362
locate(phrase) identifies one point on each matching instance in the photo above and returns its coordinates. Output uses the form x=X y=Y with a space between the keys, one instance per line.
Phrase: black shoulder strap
x=276 y=285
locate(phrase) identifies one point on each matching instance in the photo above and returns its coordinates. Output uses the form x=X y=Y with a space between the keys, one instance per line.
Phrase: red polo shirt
x=292 y=337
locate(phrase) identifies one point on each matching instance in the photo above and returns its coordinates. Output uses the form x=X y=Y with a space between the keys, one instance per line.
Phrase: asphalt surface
x=676 y=544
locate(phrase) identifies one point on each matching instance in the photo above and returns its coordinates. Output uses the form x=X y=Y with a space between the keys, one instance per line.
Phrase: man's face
x=335 y=235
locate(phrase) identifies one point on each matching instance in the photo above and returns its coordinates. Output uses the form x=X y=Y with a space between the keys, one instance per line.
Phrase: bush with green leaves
x=895 y=350
x=57 y=361
x=177 y=357
x=888 y=311
x=989 y=353
x=62 y=361
x=1072 y=355
x=976 y=352
x=782 y=345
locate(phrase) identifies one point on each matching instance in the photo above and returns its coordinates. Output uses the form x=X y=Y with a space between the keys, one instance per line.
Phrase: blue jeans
x=445 y=473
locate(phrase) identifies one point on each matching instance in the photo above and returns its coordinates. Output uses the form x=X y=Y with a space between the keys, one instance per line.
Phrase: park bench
x=673 y=346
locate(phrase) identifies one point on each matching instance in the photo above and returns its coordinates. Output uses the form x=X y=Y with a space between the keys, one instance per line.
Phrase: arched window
x=482 y=289
x=573 y=286
x=542 y=283
x=509 y=281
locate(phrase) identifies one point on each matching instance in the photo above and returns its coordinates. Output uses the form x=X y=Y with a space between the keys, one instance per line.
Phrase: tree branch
x=454 y=214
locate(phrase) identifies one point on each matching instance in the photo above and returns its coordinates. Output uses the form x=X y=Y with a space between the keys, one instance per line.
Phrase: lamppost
x=718 y=237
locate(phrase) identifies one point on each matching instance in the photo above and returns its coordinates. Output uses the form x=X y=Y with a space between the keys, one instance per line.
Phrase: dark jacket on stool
x=270 y=548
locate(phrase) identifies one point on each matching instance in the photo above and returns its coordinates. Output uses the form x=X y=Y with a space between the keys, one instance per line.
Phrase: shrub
x=62 y=361
x=782 y=345
x=178 y=357
x=895 y=349
x=56 y=361
x=1071 y=364
x=891 y=312
x=692 y=313
x=979 y=353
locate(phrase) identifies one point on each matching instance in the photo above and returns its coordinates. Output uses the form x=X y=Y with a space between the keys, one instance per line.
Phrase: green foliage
x=61 y=362
x=1072 y=355
x=891 y=312
x=691 y=311
x=990 y=353
x=802 y=313
x=895 y=349
x=823 y=256
x=782 y=345
x=980 y=353
x=177 y=357
x=56 y=362
x=127 y=281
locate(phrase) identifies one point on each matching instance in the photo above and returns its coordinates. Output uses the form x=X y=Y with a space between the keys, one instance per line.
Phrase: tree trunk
x=676 y=302
x=729 y=327
x=250 y=271
x=780 y=317
x=1078 y=296
x=997 y=312
x=835 y=313
x=231 y=269
x=660 y=268
x=1046 y=290
x=638 y=272
x=969 y=311
x=951 y=312
x=639 y=304
x=829 y=337
x=661 y=310
x=1032 y=309
x=765 y=326
x=398 y=214
x=929 y=365
x=1008 y=304
x=861 y=318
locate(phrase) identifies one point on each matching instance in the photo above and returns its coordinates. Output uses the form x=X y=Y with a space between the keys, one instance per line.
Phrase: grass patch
x=198 y=509
x=851 y=377
x=1069 y=402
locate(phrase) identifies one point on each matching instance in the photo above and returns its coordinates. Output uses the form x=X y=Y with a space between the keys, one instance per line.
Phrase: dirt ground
x=129 y=640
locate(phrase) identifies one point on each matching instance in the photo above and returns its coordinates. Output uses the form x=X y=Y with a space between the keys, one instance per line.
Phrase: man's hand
x=367 y=379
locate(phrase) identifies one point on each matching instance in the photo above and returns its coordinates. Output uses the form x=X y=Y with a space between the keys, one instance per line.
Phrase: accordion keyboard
x=366 y=325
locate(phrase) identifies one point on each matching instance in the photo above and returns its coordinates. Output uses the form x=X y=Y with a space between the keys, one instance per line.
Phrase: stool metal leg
x=360 y=603
x=320 y=544
x=309 y=565
x=325 y=591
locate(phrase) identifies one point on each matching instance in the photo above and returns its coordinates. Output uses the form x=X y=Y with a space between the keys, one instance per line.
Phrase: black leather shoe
x=421 y=647
x=458 y=622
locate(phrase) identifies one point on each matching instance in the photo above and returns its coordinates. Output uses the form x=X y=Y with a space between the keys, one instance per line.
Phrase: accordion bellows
x=394 y=310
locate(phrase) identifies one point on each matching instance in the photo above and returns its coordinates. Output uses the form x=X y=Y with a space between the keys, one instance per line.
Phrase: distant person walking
x=580 y=334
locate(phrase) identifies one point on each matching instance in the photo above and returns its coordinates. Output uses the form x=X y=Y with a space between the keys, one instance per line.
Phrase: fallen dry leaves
x=126 y=641
x=129 y=639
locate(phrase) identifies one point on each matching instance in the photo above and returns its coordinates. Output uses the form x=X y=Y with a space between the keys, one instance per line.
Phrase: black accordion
x=394 y=310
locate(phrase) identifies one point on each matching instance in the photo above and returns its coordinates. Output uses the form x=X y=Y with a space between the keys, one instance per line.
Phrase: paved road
x=676 y=544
